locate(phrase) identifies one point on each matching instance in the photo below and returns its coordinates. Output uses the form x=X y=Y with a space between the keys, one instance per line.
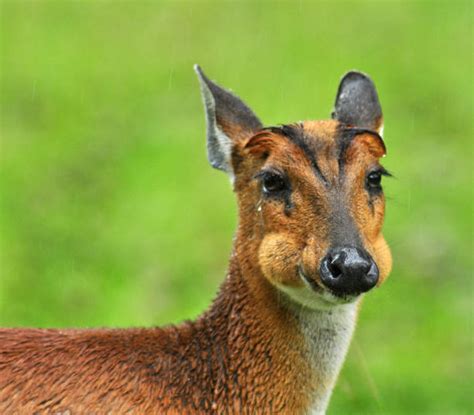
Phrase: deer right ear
x=357 y=103
x=229 y=121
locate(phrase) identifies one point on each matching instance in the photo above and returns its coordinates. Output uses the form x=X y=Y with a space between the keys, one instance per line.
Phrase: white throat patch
x=328 y=334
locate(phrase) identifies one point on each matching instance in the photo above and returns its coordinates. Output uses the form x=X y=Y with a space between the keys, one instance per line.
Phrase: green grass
x=111 y=216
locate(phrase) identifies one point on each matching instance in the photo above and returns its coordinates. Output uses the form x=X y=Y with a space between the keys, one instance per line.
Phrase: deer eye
x=374 y=180
x=273 y=183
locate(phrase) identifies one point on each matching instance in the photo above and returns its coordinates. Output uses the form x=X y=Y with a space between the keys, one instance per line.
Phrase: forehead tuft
x=315 y=138
x=311 y=134
x=330 y=138
x=323 y=131
x=325 y=141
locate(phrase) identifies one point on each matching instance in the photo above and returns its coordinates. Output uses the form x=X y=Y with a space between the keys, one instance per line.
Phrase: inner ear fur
x=229 y=122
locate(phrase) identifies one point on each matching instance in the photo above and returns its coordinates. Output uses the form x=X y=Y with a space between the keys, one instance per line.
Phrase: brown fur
x=222 y=363
x=246 y=354
x=282 y=241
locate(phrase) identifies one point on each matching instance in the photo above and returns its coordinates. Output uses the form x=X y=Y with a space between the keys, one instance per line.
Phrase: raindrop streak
x=370 y=380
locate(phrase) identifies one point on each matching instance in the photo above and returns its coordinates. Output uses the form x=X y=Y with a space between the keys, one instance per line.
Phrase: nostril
x=372 y=275
x=336 y=264
x=335 y=269
x=365 y=267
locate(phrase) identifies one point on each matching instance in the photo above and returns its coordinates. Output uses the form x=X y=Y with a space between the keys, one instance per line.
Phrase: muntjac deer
x=308 y=245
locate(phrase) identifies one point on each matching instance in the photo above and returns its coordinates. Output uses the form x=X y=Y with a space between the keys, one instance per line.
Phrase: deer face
x=310 y=198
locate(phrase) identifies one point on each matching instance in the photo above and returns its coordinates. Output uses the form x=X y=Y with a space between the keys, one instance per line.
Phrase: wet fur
x=271 y=342
x=231 y=360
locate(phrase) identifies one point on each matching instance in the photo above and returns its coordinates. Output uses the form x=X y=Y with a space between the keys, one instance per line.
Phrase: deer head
x=310 y=198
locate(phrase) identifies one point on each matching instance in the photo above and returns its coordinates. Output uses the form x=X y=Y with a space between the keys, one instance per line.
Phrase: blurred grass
x=111 y=216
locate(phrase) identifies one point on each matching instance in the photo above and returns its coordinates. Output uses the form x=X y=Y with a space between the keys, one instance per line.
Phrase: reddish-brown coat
x=247 y=353
x=237 y=358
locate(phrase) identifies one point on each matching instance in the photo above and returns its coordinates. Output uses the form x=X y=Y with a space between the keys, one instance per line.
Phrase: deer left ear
x=357 y=103
x=229 y=122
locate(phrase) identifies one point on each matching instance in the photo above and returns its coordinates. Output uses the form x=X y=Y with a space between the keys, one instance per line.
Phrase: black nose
x=348 y=270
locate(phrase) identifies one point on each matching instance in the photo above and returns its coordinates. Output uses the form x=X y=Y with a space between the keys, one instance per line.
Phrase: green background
x=111 y=216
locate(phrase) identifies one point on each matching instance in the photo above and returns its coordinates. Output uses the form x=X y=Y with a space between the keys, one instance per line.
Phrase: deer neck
x=291 y=354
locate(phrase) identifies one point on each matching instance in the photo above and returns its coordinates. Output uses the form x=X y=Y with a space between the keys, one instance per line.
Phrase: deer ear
x=229 y=121
x=357 y=103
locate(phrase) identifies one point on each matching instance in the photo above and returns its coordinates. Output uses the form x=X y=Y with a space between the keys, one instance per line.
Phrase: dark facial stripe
x=345 y=138
x=295 y=135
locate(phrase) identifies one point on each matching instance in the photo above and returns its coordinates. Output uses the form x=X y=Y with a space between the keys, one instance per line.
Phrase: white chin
x=316 y=298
